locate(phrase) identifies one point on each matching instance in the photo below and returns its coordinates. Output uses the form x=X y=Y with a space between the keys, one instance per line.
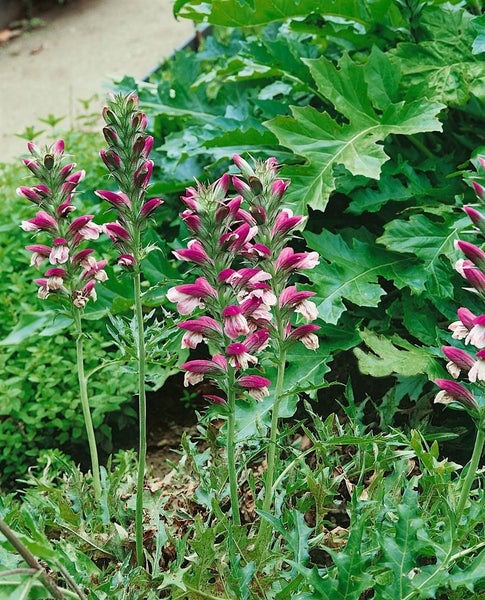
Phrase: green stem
x=142 y=448
x=231 y=451
x=30 y=559
x=271 y=457
x=471 y=472
x=83 y=392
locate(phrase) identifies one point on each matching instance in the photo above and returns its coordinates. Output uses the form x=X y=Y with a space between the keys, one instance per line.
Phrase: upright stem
x=142 y=448
x=83 y=392
x=471 y=472
x=231 y=458
x=271 y=457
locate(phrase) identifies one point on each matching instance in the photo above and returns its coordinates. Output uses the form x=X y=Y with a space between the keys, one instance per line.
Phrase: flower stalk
x=127 y=161
x=73 y=272
x=83 y=391
x=471 y=472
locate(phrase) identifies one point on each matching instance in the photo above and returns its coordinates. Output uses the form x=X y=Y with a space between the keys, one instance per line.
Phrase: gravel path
x=82 y=45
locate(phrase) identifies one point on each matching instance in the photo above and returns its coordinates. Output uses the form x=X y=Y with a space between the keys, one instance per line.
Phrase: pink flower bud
x=29 y=194
x=242 y=188
x=117 y=199
x=33 y=165
x=243 y=166
x=149 y=206
x=479 y=190
x=455 y=392
x=477 y=218
x=33 y=148
x=111 y=136
x=476 y=278
x=110 y=159
x=116 y=232
x=472 y=252
x=58 y=147
x=141 y=177
x=126 y=260
x=221 y=186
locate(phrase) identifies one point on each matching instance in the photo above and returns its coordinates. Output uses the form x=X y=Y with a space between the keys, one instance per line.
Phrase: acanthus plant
x=468 y=361
x=244 y=297
x=127 y=161
x=73 y=271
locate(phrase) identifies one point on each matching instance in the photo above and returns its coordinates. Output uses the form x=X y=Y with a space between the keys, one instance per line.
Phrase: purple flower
x=459 y=360
x=235 y=240
x=256 y=385
x=84 y=228
x=40 y=253
x=60 y=252
x=289 y=260
x=306 y=335
x=126 y=260
x=196 y=369
x=117 y=199
x=116 y=232
x=149 y=206
x=198 y=330
x=477 y=372
x=285 y=222
x=235 y=322
x=238 y=355
x=476 y=335
x=192 y=220
x=41 y=221
x=451 y=392
x=188 y=296
x=278 y=188
x=291 y=298
x=193 y=253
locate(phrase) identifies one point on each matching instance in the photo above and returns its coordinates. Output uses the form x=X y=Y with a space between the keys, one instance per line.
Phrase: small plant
x=73 y=272
x=129 y=165
x=240 y=245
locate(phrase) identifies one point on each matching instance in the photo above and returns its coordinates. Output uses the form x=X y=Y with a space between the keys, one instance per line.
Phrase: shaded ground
x=80 y=47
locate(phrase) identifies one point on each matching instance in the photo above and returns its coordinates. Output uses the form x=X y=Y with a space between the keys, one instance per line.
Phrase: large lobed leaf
x=353 y=273
x=248 y=13
x=445 y=64
x=369 y=98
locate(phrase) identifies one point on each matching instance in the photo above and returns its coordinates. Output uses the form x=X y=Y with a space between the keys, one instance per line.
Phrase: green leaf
x=479 y=42
x=349 y=577
x=44 y=323
x=353 y=273
x=445 y=62
x=244 y=13
x=428 y=239
x=368 y=96
x=394 y=355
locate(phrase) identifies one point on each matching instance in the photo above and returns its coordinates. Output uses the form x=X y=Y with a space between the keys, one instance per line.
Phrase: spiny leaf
x=368 y=96
x=237 y=13
x=394 y=355
x=429 y=240
x=353 y=273
x=444 y=64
